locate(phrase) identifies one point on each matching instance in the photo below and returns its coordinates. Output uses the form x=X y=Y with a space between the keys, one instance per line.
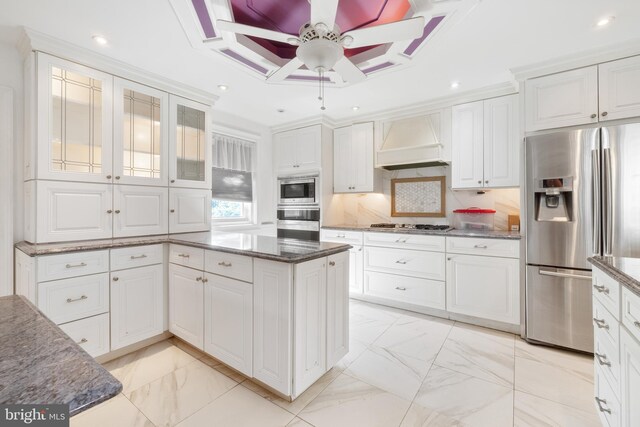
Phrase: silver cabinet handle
x=108 y=176
x=117 y=211
x=83 y=297
x=138 y=256
x=607 y=193
x=486 y=182
x=332 y=263
x=480 y=246
x=198 y=279
x=82 y=341
x=637 y=324
x=117 y=177
x=205 y=280
x=401 y=241
x=401 y=288
x=173 y=180
x=401 y=262
x=605 y=114
x=601 y=402
x=109 y=211
x=602 y=359
x=595 y=195
x=601 y=323
x=172 y=210
x=449 y=259
x=601 y=289
x=115 y=279
x=82 y=264
x=360 y=250
x=563 y=275
x=594 y=115
x=183 y=255
x=342 y=236
x=224 y=264
x=479 y=182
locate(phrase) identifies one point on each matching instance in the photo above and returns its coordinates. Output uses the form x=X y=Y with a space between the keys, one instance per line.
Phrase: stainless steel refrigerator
x=582 y=199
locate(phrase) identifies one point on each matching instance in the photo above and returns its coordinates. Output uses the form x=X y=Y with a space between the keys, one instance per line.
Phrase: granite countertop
x=265 y=247
x=40 y=364
x=624 y=270
x=453 y=233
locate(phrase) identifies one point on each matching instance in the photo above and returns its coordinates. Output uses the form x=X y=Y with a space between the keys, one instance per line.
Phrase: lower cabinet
x=356 y=260
x=629 y=378
x=137 y=305
x=228 y=321
x=186 y=310
x=338 y=286
x=92 y=333
x=486 y=287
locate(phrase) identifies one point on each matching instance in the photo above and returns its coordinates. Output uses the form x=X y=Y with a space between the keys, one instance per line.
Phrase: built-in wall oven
x=299 y=222
x=298 y=191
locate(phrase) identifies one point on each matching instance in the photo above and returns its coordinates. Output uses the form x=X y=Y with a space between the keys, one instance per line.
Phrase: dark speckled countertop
x=624 y=270
x=265 y=247
x=451 y=233
x=40 y=364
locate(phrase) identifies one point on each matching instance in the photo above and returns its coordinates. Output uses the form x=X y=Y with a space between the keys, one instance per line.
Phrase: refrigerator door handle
x=595 y=199
x=607 y=192
x=563 y=275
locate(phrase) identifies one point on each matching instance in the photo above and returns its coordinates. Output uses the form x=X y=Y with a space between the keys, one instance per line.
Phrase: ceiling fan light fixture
x=346 y=40
x=319 y=54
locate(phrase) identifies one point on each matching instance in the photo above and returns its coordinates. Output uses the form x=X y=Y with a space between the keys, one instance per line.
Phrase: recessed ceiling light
x=603 y=22
x=455 y=85
x=280 y=110
x=99 y=39
x=355 y=108
x=223 y=87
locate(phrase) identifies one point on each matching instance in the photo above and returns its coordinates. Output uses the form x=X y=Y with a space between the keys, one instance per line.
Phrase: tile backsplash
x=365 y=209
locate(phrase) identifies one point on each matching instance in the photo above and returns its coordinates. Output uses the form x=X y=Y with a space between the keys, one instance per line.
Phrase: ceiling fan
x=321 y=44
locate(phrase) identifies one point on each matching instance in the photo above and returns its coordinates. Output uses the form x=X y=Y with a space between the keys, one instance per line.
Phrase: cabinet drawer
x=605 y=322
x=405 y=241
x=187 y=256
x=92 y=333
x=412 y=290
x=137 y=256
x=76 y=298
x=427 y=265
x=607 y=404
x=54 y=267
x=607 y=291
x=631 y=312
x=488 y=247
x=607 y=357
x=229 y=265
x=341 y=236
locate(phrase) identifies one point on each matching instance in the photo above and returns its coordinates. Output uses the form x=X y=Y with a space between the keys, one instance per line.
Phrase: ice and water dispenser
x=553 y=199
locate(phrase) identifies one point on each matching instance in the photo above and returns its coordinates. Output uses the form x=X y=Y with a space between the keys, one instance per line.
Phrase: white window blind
x=232 y=178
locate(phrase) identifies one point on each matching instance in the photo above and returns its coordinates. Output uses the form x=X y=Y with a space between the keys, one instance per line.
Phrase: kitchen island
x=276 y=310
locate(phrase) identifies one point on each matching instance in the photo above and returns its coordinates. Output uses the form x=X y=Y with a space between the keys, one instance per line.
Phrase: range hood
x=412 y=143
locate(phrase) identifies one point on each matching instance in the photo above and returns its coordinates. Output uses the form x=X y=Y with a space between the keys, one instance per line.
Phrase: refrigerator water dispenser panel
x=553 y=200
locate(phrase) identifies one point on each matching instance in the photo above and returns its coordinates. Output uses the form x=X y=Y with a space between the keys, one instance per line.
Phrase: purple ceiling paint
x=204 y=18
x=244 y=60
x=378 y=67
x=428 y=29
x=308 y=78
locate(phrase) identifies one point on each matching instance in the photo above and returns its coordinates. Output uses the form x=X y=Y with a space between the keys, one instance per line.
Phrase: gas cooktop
x=430 y=227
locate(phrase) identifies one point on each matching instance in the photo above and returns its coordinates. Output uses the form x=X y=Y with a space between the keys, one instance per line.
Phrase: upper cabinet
x=353 y=153
x=607 y=91
x=486 y=146
x=74 y=122
x=298 y=150
x=140 y=134
x=189 y=144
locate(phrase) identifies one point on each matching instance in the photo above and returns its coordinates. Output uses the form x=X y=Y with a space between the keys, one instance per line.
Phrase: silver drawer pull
x=602 y=359
x=342 y=236
x=637 y=324
x=601 y=289
x=601 y=402
x=601 y=323
x=401 y=241
x=332 y=263
x=82 y=264
x=401 y=288
x=198 y=279
x=82 y=341
x=401 y=262
x=183 y=255
x=224 y=264
x=480 y=246
x=138 y=256
x=77 y=299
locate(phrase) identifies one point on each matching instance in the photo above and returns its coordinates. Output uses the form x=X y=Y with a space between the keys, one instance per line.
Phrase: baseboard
x=133 y=347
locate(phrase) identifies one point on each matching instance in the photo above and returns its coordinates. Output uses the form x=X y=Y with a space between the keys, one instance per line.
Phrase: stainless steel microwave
x=298 y=191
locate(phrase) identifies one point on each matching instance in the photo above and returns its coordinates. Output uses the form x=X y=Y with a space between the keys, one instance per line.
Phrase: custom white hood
x=412 y=143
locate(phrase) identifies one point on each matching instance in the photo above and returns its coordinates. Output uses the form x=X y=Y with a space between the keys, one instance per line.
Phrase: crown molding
x=32 y=40
x=577 y=60
x=309 y=121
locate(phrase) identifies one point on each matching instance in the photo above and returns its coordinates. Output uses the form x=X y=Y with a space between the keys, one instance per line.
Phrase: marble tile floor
x=403 y=369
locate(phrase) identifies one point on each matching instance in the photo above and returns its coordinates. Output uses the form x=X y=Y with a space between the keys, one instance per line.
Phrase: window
x=229 y=211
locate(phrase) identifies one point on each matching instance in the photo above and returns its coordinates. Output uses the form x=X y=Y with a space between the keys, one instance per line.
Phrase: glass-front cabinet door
x=140 y=134
x=189 y=144
x=74 y=121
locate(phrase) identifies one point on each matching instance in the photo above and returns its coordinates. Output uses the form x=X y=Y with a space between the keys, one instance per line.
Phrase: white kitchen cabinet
x=137 y=305
x=337 y=307
x=73 y=122
x=484 y=287
x=272 y=324
x=73 y=211
x=630 y=379
x=228 y=321
x=140 y=210
x=92 y=334
x=189 y=210
x=310 y=319
x=356 y=265
x=298 y=150
x=564 y=99
x=619 y=89
x=486 y=146
x=140 y=134
x=189 y=143
x=186 y=307
x=353 y=154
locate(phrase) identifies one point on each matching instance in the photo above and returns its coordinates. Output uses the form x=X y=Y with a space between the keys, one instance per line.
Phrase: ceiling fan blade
x=285 y=71
x=408 y=29
x=324 y=11
x=349 y=71
x=248 y=30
